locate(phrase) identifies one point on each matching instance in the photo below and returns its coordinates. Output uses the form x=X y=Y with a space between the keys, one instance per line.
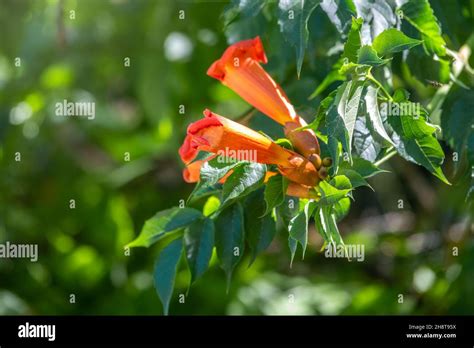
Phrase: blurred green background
x=81 y=55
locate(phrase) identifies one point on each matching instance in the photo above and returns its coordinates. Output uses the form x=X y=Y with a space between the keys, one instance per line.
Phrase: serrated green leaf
x=165 y=271
x=373 y=113
x=341 y=182
x=275 y=191
x=230 y=238
x=392 y=41
x=340 y=119
x=246 y=177
x=353 y=42
x=164 y=222
x=260 y=231
x=293 y=20
x=365 y=146
x=293 y=246
x=298 y=226
x=198 y=243
x=418 y=146
x=420 y=15
x=368 y=56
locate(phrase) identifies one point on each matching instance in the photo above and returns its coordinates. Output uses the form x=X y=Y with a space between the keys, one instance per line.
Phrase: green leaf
x=374 y=115
x=341 y=182
x=245 y=178
x=165 y=271
x=340 y=119
x=244 y=8
x=293 y=246
x=275 y=191
x=377 y=15
x=339 y=13
x=298 y=227
x=420 y=15
x=260 y=231
x=415 y=143
x=332 y=225
x=368 y=56
x=365 y=168
x=327 y=227
x=355 y=178
x=198 y=243
x=164 y=222
x=353 y=43
x=330 y=194
x=365 y=145
x=293 y=20
x=341 y=208
x=392 y=41
x=230 y=238
x=211 y=172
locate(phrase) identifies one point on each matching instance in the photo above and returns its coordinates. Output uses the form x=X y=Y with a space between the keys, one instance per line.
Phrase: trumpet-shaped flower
x=239 y=69
x=218 y=134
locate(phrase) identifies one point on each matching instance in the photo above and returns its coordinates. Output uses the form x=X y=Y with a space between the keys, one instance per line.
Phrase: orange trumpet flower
x=239 y=69
x=220 y=135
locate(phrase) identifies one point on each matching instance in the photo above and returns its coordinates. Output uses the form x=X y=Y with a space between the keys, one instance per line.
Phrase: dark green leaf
x=198 y=243
x=298 y=227
x=415 y=145
x=420 y=15
x=391 y=41
x=368 y=56
x=230 y=238
x=275 y=191
x=164 y=222
x=293 y=20
x=165 y=271
x=260 y=231
x=245 y=178
x=363 y=167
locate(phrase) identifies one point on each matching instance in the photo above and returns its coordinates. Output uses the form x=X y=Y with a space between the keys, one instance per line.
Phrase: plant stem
x=379 y=85
x=391 y=152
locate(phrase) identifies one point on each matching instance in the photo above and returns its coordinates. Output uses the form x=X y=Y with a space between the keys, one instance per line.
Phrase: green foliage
x=260 y=228
x=198 y=244
x=230 y=238
x=275 y=191
x=347 y=52
x=164 y=222
x=293 y=19
x=420 y=15
x=244 y=179
x=392 y=41
x=165 y=271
